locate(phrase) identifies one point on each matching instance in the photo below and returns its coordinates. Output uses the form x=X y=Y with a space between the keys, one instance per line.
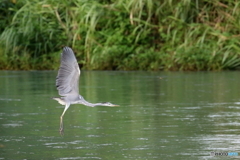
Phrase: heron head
x=109 y=104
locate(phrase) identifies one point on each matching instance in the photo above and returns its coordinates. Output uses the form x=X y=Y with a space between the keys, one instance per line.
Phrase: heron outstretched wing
x=68 y=74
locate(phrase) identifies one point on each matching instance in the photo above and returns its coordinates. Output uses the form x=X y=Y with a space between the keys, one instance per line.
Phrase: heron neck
x=86 y=103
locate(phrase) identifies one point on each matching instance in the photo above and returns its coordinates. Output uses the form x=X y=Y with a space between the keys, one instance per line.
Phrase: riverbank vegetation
x=121 y=34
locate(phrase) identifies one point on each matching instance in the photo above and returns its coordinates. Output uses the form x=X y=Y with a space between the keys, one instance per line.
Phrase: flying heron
x=67 y=84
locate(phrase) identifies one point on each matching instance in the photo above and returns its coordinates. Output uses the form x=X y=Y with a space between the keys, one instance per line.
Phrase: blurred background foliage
x=121 y=34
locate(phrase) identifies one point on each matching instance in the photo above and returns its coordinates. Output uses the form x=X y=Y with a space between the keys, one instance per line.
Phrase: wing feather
x=68 y=74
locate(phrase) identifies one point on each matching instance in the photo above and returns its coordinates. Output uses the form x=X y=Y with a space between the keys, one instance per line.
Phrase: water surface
x=162 y=115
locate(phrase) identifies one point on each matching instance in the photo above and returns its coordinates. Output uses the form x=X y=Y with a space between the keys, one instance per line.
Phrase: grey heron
x=67 y=84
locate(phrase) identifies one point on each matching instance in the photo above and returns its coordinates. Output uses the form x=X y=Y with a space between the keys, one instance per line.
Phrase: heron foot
x=61 y=131
x=61 y=126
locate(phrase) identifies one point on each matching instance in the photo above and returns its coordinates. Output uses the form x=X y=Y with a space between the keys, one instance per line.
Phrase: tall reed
x=121 y=34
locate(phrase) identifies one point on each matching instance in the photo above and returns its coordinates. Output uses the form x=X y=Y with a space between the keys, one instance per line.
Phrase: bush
x=121 y=35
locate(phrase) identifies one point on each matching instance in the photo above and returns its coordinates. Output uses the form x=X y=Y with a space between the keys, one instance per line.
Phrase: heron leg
x=61 y=118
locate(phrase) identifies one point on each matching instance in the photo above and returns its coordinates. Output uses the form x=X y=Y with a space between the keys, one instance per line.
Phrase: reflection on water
x=163 y=115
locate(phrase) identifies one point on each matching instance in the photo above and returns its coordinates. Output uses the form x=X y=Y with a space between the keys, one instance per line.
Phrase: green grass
x=121 y=34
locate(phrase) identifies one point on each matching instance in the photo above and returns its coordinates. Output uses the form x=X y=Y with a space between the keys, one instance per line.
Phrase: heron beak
x=114 y=105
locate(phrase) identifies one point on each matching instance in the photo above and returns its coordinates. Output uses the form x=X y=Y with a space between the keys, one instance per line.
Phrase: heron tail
x=60 y=100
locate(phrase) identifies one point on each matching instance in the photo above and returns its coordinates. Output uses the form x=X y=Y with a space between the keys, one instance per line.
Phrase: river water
x=162 y=115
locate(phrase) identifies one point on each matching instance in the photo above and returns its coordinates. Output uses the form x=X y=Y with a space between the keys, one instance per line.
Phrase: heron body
x=67 y=82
